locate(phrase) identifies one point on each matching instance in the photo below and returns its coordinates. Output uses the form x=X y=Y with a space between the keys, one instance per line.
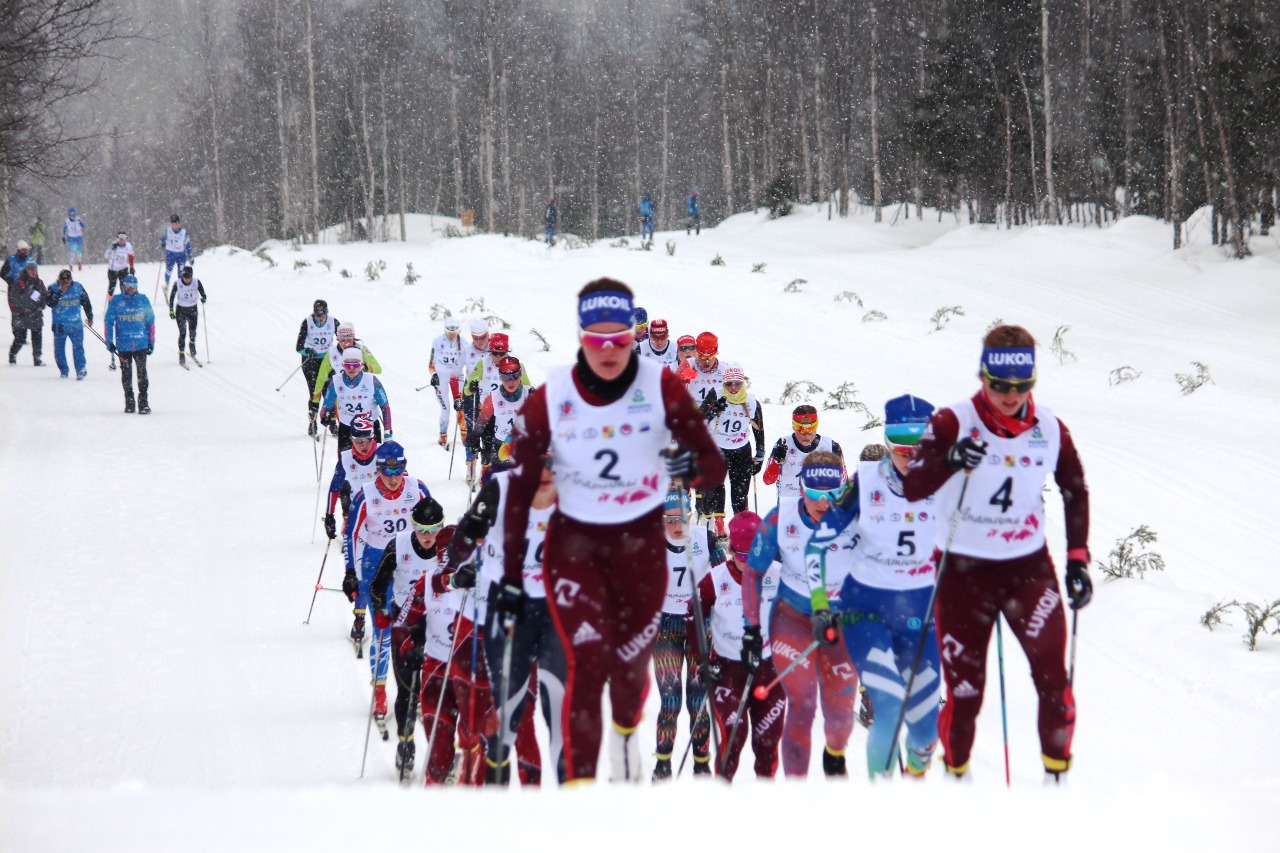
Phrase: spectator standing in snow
x=27 y=298
x=646 y=217
x=17 y=262
x=553 y=214
x=39 y=234
x=694 y=211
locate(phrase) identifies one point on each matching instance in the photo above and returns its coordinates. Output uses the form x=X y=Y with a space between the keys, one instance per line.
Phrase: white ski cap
x=347 y=330
x=352 y=354
x=479 y=326
x=733 y=373
x=23 y=244
x=452 y=324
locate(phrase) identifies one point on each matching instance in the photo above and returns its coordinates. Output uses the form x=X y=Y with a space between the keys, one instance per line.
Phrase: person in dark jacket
x=27 y=299
x=130 y=327
x=553 y=215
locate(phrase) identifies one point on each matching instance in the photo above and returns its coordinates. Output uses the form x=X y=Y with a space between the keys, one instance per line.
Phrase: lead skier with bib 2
x=997 y=561
x=608 y=421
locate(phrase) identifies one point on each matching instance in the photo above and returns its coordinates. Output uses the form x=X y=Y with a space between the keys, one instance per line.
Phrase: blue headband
x=604 y=306
x=674 y=500
x=1016 y=363
x=821 y=477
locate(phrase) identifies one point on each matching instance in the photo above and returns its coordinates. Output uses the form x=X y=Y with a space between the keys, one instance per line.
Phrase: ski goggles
x=806 y=424
x=1004 y=386
x=428 y=528
x=689 y=348
x=600 y=340
x=822 y=482
x=391 y=469
x=673 y=519
x=352 y=365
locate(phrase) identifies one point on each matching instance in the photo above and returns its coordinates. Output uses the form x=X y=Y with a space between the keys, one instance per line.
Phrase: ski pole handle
x=762 y=691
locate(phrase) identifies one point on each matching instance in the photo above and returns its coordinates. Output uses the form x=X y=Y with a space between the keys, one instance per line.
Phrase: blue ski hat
x=674 y=500
x=71 y=211
x=639 y=316
x=905 y=418
x=390 y=454
x=362 y=427
x=130 y=281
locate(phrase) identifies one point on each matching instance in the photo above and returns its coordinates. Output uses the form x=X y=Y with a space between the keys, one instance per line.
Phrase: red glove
x=381 y=620
x=771 y=472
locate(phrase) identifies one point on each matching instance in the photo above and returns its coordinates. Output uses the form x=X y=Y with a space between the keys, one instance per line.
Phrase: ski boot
x=624 y=755
x=312 y=429
x=404 y=756
x=702 y=765
x=37 y=362
x=833 y=763
x=81 y=374
x=497 y=774
x=143 y=408
x=128 y=406
x=662 y=770
x=866 y=716
x=444 y=440
x=380 y=701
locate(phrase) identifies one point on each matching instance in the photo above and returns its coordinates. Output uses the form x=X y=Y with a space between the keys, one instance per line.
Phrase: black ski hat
x=175 y=218
x=188 y=271
x=320 y=307
x=427 y=512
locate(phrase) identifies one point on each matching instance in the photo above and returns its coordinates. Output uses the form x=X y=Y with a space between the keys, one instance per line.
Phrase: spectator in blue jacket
x=16 y=263
x=130 y=327
x=67 y=298
x=694 y=210
x=646 y=217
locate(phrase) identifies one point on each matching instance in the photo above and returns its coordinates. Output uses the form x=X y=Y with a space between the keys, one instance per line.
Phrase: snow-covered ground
x=158 y=689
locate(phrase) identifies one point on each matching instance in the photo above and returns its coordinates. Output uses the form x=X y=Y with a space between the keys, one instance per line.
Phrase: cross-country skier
x=645 y=207
x=827 y=675
x=640 y=318
x=67 y=298
x=736 y=419
x=315 y=336
x=787 y=456
x=498 y=412
x=472 y=355
x=183 y=308
x=332 y=364
x=379 y=511
x=721 y=596
x=355 y=467
x=694 y=210
x=27 y=298
x=658 y=346
x=409 y=555
x=73 y=237
x=690 y=558
x=176 y=245
x=606 y=421
x=535 y=644
x=686 y=349
x=987 y=458
x=885 y=584
x=119 y=258
x=708 y=370
x=354 y=392
x=445 y=365
x=130 y=330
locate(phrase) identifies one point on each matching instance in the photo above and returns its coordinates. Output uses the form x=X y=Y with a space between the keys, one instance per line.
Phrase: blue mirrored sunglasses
x=832 y=495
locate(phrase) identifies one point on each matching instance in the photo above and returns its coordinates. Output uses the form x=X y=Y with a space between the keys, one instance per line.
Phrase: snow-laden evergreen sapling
x=779 y=195
x=943 y=316
x=717 y=261
x=300 y=265
x=494 y=320
x=620 y=243
x=344 y=273
x=326 y=263
x=874 y=316
x=1123 y=374
x=474 y=306
x=373 y=270
x=1129 y=557
x=849 y=296
x=1058 y=347
x=1189 y=382
x=262 y=255
x=999 y=321
x=546 y=346
x=439 y=311
x=759 y=267
x=794 y=285
x=798 y=391
x=410 y=277
x=1257 y=618
x=671 y=248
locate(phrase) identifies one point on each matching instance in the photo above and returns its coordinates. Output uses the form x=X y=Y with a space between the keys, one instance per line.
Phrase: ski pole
x=290 y=376
x=373 y=698
x=444 y=684
x=927 y=622
x=1071 y=671
x=504 y=695
x=704 y=652
x=411 y=719
x=319 y=488
x=737 y=721
x=762 y=690
x=469 y=769
x=157 y=290
x=703 y=708
x=316 y=592
x=1004 y=713
x=453 y=447
x=205 y=311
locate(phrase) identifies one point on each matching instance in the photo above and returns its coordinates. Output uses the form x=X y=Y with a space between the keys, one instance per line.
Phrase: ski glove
x=713 y=407
x=350 y=586
x=464 y=577
x=435 y=380
x=457 y=404
x=756 y=465
x=1079 y=587
x=172 y=316
x=779 y=453
x=111 y=348
x=709 y=673
x=752 y=648
x=411 y=654
x=381 y=620
x=151 y=348
x=966 y=454
x=130 y=270
x=509 y=602
x=330 y=526
x=826 y=627
x=680 y=463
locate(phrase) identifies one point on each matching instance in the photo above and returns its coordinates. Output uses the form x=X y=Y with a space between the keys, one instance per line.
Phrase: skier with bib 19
x=608 y=421
x=986 y=459
x=379 y=511
x=885 y=583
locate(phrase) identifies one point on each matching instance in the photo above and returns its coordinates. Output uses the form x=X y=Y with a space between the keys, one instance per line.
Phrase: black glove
x=473 y=441
x=709 y=673
x=151 y=348
x=714 y=406
x=350 y=586
x=330 y=526
x=327 y=418
x=1079 y=587
x=779 y=453
x=472 y=388
x=130 y=270
x=411 y=654
x=464 y=577
x=509 y=601
x=756 y=465
x=966 y=454
x=457 y=404
x=752 y=648
x=826 y=627
x=435 y=380
x=111 y=348
x=680 y=463
x=203 y=299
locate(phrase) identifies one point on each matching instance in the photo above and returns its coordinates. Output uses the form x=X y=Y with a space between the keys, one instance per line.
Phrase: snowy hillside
x=158 y=689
